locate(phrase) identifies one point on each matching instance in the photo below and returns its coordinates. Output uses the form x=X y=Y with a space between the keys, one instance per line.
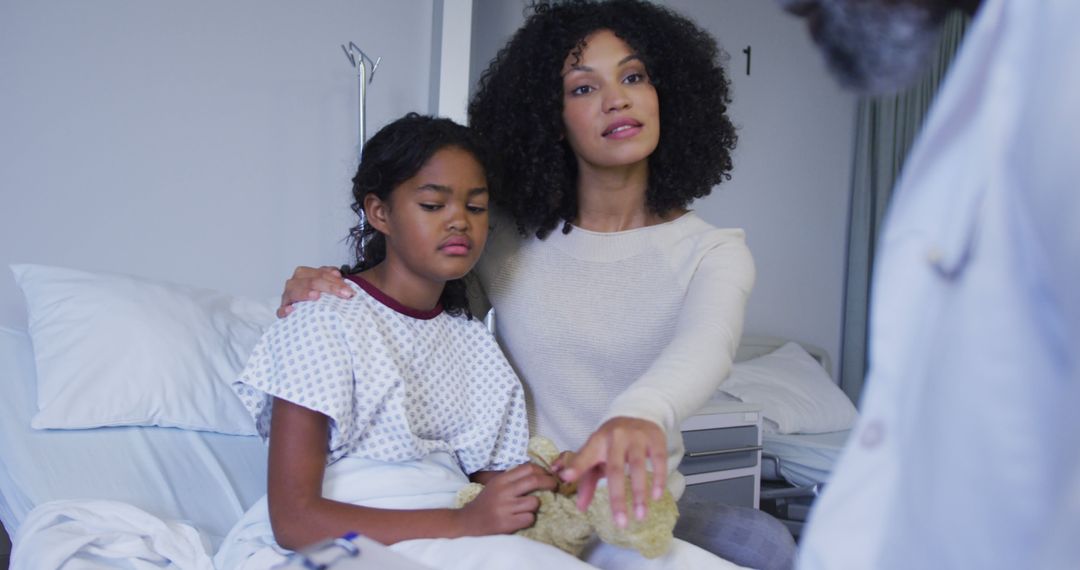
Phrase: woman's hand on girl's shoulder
x=505 y=505
x=617 y=443
x=307 y=283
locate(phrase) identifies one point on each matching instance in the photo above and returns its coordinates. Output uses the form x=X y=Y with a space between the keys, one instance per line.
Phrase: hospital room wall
x=211 y=143
x=789 y=188
x=203 y=142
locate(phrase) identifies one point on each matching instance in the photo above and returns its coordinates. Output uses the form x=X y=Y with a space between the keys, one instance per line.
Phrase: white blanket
x=78 y=535
x=95 y=534
x=433 y=483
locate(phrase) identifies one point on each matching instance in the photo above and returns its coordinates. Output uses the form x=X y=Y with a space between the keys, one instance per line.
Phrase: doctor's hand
x=307 y=283
x=619 y=442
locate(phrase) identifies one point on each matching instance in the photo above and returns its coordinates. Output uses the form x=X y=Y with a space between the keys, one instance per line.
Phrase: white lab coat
x=967 y=453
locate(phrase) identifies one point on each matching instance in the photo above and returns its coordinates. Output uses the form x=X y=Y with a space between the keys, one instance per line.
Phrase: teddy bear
x=560 y=523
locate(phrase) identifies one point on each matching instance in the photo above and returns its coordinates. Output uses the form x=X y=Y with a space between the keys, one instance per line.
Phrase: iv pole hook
x=360 y=60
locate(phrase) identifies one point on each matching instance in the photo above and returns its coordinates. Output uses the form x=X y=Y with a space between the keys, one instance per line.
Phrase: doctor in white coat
x=967 y=454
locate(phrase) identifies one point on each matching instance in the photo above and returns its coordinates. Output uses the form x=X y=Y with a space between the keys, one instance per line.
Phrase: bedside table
x=723 y=454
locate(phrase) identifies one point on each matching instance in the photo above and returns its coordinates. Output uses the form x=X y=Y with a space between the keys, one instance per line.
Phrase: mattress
x=205 y=479
x=805 y=459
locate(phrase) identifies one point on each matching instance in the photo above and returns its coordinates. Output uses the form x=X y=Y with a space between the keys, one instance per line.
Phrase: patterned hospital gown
x=397 y=384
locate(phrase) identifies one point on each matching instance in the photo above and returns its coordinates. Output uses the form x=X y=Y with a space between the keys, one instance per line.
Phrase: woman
x=610 y=119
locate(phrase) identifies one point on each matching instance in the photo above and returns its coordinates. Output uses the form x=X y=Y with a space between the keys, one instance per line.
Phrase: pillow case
x=794 y=391
x=117 y=350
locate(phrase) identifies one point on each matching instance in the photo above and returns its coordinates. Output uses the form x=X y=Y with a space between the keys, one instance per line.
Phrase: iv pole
x=361 y=61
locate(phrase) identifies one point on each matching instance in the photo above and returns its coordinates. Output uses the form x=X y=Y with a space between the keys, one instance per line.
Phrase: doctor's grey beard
x=876 y=48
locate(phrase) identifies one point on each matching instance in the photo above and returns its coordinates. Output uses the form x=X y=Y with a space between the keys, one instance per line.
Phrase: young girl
x=380 y=407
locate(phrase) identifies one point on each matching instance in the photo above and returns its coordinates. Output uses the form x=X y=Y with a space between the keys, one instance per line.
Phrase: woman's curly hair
x=395 y=154
x=519 y=102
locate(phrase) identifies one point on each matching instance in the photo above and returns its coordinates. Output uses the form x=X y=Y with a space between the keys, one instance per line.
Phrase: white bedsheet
x=205 y=479
x=76 y=535
x=433 y=483
x=806 y=459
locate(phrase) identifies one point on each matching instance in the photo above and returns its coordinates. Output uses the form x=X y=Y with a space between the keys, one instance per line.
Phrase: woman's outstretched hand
x=505 y=505
x=307 y=283
x=617 y=443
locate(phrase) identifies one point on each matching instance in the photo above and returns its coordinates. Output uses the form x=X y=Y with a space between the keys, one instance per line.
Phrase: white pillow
x=116 y=350
x=795 y=392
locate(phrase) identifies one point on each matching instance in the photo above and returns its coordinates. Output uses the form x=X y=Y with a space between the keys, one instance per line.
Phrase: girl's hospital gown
x=416 y=401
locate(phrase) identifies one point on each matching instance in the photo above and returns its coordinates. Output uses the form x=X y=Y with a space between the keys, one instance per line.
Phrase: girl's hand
x=307 y=283
x=505 y=506
x=619 y=442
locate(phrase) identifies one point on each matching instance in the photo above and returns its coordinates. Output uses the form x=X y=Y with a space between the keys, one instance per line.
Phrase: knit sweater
x=640 y=323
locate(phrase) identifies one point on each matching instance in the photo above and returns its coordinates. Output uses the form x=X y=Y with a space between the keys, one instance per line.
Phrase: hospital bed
x=169 y=484
x=203 y=478
x=129 y=333
x=794 y=471
x=796 y=466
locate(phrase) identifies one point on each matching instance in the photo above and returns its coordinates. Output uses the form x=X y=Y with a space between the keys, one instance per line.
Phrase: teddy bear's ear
x=566 y=489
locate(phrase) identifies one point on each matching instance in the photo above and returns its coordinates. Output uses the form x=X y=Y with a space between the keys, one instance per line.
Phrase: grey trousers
x=748 y=537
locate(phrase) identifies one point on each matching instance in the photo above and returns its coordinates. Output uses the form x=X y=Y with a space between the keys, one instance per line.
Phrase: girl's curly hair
x=395 y=154
x=518 y=108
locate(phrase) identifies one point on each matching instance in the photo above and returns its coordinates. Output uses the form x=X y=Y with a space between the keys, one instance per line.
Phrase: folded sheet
x=75 y=535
